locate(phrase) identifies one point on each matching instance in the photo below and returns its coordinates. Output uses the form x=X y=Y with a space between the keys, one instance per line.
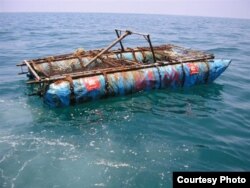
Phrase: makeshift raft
x=82 y=76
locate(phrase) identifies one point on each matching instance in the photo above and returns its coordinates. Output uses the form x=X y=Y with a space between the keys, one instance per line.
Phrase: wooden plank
x=32 y=70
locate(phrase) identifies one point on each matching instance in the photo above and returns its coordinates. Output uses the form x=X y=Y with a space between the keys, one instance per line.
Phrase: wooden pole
x=32 y=70
x=110 y=46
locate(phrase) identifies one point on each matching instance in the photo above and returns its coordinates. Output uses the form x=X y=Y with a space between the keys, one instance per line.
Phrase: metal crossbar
x=146 y=36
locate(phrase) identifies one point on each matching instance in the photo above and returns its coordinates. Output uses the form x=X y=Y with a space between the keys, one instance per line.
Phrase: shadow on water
x=198 y=101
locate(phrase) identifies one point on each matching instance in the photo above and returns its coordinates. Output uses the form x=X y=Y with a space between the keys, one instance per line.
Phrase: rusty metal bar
x=87 y=54
x=72 y=56
x=32 y=70
x=118 y=36
x=22 y=73
x=135 y=66
x=151 y=47
x=109 y=47
x=21 y=64
x=99 y=72
x=133 y=53
x=132 y=32
x=147 y=37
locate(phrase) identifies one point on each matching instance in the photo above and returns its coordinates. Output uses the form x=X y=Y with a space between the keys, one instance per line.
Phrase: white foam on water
x=111 y=164
x=92 y=143
x=99 y=184
x=20 y=171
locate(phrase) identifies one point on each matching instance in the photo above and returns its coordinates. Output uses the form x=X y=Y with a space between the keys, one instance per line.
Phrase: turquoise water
x=131 y=141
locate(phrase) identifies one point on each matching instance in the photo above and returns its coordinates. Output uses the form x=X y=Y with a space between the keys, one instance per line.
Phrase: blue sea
x=131 y=141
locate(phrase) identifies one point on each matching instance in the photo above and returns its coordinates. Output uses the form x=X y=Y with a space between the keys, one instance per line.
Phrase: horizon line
x=161 y=14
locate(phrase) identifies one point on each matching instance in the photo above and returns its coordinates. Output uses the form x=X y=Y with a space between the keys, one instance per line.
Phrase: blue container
x=63 y=93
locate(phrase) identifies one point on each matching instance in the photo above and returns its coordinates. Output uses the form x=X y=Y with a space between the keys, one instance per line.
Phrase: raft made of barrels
x=82 y=76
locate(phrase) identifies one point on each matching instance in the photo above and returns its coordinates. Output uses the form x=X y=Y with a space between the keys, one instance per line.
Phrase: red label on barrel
x=194 y=68
x=150 y=75
x=92 y=83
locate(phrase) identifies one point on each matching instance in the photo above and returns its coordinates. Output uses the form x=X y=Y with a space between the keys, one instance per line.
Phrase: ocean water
x=131 y=141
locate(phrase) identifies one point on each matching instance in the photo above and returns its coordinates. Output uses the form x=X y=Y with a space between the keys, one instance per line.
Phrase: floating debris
x=82 y=76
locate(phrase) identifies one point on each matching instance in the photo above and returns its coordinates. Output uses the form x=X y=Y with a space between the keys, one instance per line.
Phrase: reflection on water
x=191 y=102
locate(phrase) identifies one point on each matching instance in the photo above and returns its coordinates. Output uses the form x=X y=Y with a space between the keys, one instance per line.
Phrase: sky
x=212 y=8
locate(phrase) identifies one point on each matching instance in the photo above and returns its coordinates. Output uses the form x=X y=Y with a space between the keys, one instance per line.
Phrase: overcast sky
x=215 y=8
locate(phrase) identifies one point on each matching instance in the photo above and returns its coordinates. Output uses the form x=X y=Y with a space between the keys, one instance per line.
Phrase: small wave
x=221 y=49
x=15 y=141
x=111 y=164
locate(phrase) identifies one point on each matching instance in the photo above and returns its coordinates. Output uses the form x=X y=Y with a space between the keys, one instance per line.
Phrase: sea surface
x=131 y=141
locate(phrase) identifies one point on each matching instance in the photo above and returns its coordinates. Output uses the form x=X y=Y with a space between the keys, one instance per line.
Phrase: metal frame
x=146 y=37
x=115 y=65
x=109 y=47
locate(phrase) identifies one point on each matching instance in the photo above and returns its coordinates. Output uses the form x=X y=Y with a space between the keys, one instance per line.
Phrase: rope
x=184 y=75
x=69 y=79
x=158 y=70
x=49 y=60
x=107 y=86
x=208 y=72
